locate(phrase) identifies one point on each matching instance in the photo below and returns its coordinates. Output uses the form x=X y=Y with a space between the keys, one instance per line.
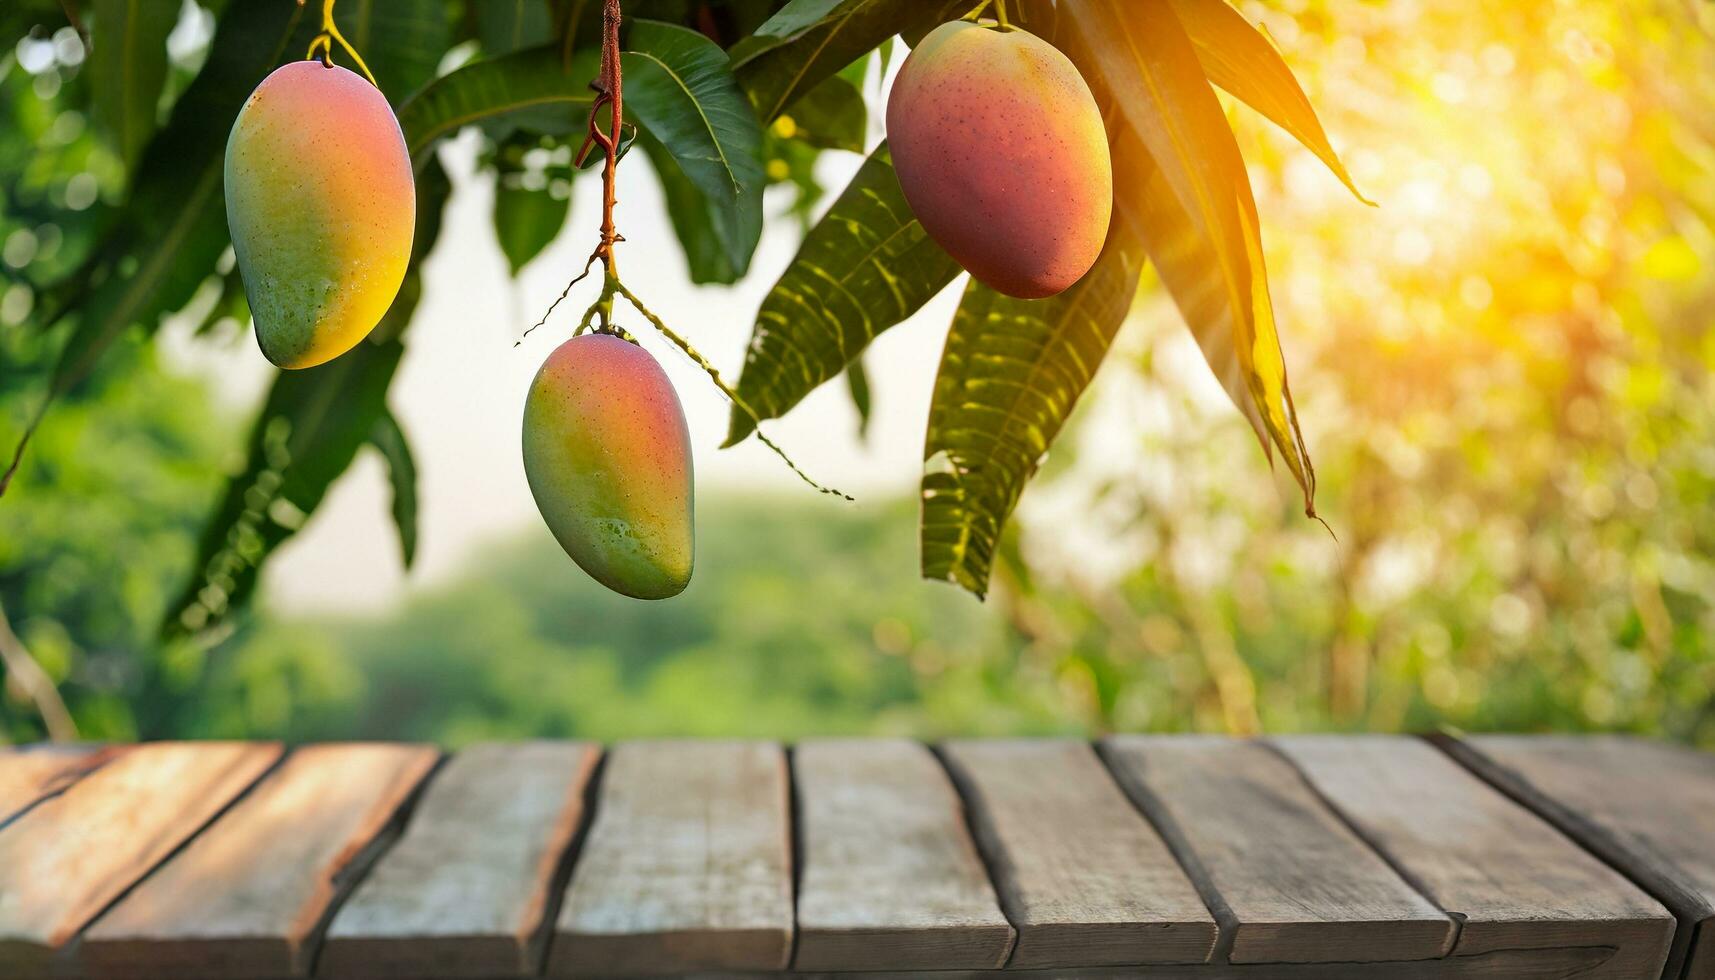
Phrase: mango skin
x=322 y=206
x=1001 y=153
x=608 y=457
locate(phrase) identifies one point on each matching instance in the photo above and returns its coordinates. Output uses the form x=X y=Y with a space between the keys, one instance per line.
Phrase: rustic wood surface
x=29 y=774
x=466 y=890
x=1289 y=880
x=1644 y=807
x=1081 y=874
x=247 y=897
x=64 y=860
x=1513 y=880
x=891 y=879
x=687 y=866
x=1282 y=859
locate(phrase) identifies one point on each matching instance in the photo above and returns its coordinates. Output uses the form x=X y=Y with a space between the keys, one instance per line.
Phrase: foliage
x=719 y=94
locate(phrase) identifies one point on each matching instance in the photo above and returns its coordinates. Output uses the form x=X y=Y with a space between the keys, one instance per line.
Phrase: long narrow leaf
x=389 y=439
x=864 y=267
x=127 y=67
x=680 y=87
x=1239 y=57
x=1150 y=70
x=1010 y=375
x=533 y=79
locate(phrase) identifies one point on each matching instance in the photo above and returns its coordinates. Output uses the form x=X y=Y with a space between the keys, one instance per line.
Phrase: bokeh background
x=1505 y=373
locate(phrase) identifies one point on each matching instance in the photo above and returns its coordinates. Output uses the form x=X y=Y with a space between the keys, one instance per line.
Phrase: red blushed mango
x=608 y=457
x=1002 y=156
x=322 y=206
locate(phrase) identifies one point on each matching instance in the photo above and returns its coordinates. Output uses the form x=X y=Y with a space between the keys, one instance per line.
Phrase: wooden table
x=1173 y=856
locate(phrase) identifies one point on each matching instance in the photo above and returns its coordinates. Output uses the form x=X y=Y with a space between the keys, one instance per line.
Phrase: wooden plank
x=66 y=859
x=687 y=866
x=30 y=772
x=1648 y=808
x=1289 y=881
x=1080 y=873
x=250 y=895
x=1513 y=880
x=891 y=878
x=465 y=891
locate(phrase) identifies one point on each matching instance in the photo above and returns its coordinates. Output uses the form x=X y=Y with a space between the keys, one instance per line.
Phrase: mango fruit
x=608 y=457
x=1001 y=153
x=322 y=206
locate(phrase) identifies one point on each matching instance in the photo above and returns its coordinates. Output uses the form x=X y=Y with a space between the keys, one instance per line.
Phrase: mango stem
x=323 y=42
x=732 y=395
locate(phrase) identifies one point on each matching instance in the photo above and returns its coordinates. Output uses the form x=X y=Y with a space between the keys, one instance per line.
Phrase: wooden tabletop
x=1173 y=856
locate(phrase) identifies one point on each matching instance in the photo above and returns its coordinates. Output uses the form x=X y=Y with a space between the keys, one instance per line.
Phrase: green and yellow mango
x=322 y=206
x=608 y=457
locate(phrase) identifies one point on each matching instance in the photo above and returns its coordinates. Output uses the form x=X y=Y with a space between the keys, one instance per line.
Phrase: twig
x=35 y=683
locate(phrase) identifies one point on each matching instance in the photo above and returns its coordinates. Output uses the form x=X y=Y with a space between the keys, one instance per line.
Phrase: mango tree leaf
x=505 y=26
x=695 y=219
x=809 y=40
x=1012 y=371
x=401 y=40
x=831 y=116
x=857 y=385
x=389 y=439
x=1150 y=71
x=525 y=221
x=1239 y=57
x=535 y=82
x=681 y=89
x=309 y=430
x=127 y=67
x=864 y=267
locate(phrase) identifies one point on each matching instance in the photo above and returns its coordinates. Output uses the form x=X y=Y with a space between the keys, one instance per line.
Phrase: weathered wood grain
x=66 y=859
x=1514 y=881
x=687 y=865
x=465 y=890
x=30 y=772
x=1567 y=963
x=1289 y=880
x=1648 y=808
x=248 y=896
x=1081 y=874
x=891 y=879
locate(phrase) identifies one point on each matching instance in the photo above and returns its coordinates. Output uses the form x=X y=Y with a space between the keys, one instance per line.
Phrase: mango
x=1001 y=153
x=608 y=457
x=322 y=206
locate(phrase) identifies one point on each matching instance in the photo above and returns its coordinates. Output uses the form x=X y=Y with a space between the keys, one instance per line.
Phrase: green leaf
x=857 y=385
x=309 y=430
x=866 y=266
x=525 y=221
x=1012 y=371
x=1239 y=57
x=831 y=115
x=127 y=67
x=401 y=40
x=387 y=437
x=553 y=94
x=809 y=40
x=680 y=87
x=1150 y=70
x=700 y=227
x=505 y=26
